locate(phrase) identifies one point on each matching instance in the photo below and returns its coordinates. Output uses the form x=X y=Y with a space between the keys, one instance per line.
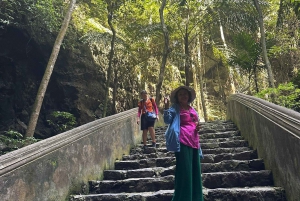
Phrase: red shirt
x=150 y=106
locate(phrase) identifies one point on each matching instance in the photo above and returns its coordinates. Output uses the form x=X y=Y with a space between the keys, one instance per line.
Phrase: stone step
x=209 y=158
x=138 y=173
x=217 y=140
x=132 y=185
x=237 y=179
x=225 y=150
x=145 y=163
x=228 y=144
x=207 y=144
x=150 y=150
x=258 y=193
x=215 y=125
x=223 y=166
x=206 y=129
x=218 y=130
x=138 y=149
x=222 y=194
x=215 y=158
x=210 y=180
x=228 y=134
x=149 y=144
x=233 y=165
x=139 y=156
x=212 y=145
x=161 y=139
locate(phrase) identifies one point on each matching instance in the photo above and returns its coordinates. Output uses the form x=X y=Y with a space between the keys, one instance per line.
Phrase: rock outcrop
x=76 y=85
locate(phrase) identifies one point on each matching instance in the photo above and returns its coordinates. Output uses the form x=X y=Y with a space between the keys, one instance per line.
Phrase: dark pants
x=146 y=124
x=188 y=182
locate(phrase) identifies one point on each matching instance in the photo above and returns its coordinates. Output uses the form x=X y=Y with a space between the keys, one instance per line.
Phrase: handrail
x=31 y=152
x=281 y=116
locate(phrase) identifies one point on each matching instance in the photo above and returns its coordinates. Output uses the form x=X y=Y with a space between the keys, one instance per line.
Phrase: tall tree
x=111 y=6
x=114 y=102
x=186 y=22
x=200 y=67
x=165 y=51
x=247 y=53
x=227 y=57
x=263 y=43
x=48 y=72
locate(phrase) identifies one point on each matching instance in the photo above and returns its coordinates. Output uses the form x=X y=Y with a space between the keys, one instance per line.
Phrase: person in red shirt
x=147 y=104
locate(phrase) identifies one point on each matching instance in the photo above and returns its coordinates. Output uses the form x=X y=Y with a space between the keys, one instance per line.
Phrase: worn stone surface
x=225 y=194
x=274 y=131
x=53 y=168
x=231 y=171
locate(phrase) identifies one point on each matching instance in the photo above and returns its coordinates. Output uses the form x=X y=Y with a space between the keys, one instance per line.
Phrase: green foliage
x=13 y=140
x=39 y=17
x=296 y=6
x=286 y=95
x=247 y=52
x=296 y=79
x=51 y=17
x=61 y=121
x=218 y=54
x=234 y=15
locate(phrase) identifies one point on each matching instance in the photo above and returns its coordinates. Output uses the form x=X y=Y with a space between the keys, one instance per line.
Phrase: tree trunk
x=48 y=72
x=195 y=83
x=110 y=8
x=143 y=79
x=263 y=44
x=221 y=88
x=280 y=15
x=187 y=58
x=165 y=52
x=200 y=74
x=255 y=78
x=227 y=57
x=114 y=101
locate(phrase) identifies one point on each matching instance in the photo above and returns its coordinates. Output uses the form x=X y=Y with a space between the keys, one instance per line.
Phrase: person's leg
x=144 y=128
x=197 y=180
x=145 y=131
x=152 y=134
x=183 y=174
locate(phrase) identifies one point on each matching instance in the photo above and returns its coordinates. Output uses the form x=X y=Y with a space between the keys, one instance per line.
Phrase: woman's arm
x=198 y=119
x=139 y=112
x=139 y=109
x=169 y=115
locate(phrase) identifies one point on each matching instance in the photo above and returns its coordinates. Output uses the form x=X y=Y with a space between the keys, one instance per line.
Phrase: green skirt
x=188 y=182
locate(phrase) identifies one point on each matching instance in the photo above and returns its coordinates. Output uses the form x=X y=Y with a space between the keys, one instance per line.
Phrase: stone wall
x=61 y=165
x=275 y=132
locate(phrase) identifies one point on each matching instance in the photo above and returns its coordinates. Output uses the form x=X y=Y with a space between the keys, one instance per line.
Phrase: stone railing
x=275 y=132
x=61 y=165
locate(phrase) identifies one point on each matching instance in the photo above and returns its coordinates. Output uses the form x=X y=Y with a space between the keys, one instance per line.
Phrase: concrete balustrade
x=275 y=132
x=56 y=167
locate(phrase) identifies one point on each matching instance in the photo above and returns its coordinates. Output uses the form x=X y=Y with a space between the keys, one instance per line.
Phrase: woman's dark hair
x=143 y=92
x=190 y=95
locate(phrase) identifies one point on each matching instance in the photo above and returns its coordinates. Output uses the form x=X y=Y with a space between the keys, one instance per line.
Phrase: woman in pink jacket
x=182 y=138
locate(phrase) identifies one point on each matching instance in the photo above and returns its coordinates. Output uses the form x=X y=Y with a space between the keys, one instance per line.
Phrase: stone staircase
x=231 y=171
